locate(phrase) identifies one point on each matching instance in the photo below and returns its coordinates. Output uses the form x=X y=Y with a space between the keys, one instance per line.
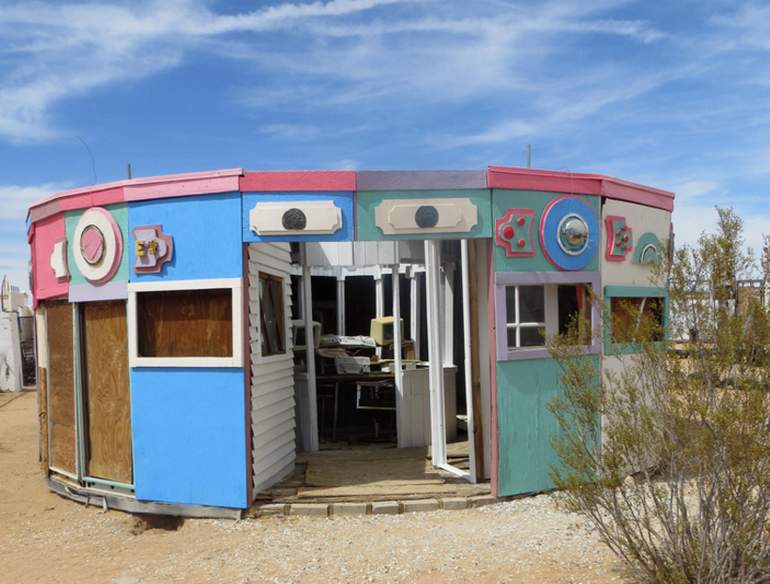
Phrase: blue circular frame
x=549 y=233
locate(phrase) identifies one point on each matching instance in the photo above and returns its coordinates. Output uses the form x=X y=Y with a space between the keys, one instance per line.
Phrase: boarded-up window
x=185 y=323
x=272 y=319
x=636 y=319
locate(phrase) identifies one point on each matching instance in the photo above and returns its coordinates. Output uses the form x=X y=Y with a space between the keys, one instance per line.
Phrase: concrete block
x=342 y=509
x=386 y=508
x=417 y=505
x=481 y=500
x=270 y=510
x=454 y=503
x=311 y=509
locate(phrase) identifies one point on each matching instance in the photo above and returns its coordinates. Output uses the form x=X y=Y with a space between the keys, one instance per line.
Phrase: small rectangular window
x=525 y=311
x=636 y=320
x=185 y=323
x=272 y=315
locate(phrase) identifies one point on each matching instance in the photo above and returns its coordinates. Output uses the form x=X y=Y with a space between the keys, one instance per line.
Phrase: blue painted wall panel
x=189 y=436
x=343 y=200
x=206 y=232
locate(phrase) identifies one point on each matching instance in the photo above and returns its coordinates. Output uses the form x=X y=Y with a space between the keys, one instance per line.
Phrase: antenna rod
x=529 y=155
x=129 y=171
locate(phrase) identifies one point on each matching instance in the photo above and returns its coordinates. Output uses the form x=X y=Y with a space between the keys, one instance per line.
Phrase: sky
x=674 y=95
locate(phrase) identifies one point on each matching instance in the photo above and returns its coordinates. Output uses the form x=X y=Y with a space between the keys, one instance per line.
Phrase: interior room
x=384 y=404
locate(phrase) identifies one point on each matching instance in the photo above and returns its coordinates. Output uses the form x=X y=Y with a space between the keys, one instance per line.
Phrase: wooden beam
x=476 y=435
x=307 y=293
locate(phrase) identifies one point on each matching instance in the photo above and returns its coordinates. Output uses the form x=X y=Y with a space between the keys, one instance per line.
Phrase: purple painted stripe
x=503 y=279
x=420 y=180
x=88 y=292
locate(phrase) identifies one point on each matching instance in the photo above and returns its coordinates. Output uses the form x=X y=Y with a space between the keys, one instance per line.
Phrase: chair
x=376 y=396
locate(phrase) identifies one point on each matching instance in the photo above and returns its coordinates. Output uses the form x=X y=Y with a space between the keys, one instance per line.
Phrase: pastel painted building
x=171 y=312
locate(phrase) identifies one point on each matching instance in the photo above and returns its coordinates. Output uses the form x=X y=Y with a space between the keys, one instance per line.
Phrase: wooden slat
x=61 y=386
x=107 y=393
x=477 y=440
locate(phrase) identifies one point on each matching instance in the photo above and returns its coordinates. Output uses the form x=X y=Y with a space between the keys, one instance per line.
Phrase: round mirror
x=573 y=234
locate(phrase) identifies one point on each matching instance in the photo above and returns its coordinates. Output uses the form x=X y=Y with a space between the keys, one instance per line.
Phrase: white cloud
x=15 y=199
x=694 y=188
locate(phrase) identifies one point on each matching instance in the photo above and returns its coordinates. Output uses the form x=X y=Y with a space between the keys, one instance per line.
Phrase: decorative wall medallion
x=513 y=232
x=620 y=238
x=440 y=215
x=59 y=261
x=97 y=245
x=569 y=233
x=294 y=219
x=152 y=247
x=300 y=217
x=649 y=250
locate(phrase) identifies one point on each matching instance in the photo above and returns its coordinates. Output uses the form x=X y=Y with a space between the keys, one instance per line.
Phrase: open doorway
x=382 y=387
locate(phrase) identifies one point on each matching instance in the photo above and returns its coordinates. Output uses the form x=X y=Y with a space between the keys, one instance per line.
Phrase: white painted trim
x=468 y=362
x=398 y=373
x=436 y=368
x=236 y=286
x=312 y=400
x=340 y=305
x=415 y=314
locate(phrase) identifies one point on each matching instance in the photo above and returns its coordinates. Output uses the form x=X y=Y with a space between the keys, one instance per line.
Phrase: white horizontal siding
x=272 y=378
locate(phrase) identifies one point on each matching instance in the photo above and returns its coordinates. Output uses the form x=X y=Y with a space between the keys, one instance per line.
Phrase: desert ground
x=46 y=538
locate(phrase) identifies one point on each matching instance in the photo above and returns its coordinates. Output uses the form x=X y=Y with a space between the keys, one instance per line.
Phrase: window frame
x=280 y=326
x=550 y=282
x=626 y=348
x=288 y=342
x=235 y=360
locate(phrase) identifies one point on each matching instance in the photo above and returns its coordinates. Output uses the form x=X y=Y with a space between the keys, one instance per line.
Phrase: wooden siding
x=107 y=390
x=61 y=386
x=272 y=377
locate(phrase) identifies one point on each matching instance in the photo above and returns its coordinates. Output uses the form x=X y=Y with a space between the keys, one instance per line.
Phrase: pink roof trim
x=191 y=183
x=504 y=177
x=299 y=180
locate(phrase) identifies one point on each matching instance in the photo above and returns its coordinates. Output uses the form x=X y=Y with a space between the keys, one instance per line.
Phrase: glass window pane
x=511 y=337
x=532 y=336
x=531 y=304
x=510 y=304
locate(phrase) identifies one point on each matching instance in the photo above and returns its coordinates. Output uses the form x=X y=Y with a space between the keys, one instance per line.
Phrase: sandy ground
x=45 y=538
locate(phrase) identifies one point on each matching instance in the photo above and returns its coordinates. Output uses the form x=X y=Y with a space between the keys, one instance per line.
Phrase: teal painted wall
x=525 y=426
x=367 y=202
x=120 y=214
x=537 y=200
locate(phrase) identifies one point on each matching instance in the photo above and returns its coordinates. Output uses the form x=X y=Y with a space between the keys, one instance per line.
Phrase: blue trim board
x=611 y=348
x=343 y=200
x=189 y=436
x=205 y=228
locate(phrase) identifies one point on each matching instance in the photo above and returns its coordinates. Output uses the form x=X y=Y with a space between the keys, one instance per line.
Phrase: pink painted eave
x=191 y=183
x=504 y=177
x=299 y=181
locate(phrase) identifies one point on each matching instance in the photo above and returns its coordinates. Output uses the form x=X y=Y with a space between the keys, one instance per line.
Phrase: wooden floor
x=372 y=473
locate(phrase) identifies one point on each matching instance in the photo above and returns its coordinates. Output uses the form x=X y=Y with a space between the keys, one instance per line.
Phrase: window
x=532 y=308
x=575 y=311
x=271 y=314
x=525 y=316
x=636 y=320
x=185 y=323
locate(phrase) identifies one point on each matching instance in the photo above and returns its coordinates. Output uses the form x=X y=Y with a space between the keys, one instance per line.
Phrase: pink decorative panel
x=43 y=241
x=513 y=232
x=620 y=238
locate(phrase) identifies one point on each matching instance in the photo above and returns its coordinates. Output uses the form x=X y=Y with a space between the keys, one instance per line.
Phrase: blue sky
x=671 y=94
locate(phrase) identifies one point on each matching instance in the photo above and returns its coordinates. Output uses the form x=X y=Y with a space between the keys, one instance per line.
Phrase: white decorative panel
x=298 y=217
x=440 y=215
x=59 y=260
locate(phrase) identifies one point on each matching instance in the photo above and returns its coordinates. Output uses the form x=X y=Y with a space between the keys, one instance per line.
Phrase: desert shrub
x=667 y=452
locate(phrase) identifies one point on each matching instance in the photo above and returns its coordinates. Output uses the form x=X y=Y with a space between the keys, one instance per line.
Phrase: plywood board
x=61 y=386
x=42 y=415
x=107 y=393
x=185 y=323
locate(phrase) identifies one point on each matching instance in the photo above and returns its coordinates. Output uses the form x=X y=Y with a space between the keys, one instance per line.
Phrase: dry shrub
x=669 y=455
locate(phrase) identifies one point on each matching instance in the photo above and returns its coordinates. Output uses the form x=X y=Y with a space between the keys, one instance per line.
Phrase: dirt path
x=44 y=538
